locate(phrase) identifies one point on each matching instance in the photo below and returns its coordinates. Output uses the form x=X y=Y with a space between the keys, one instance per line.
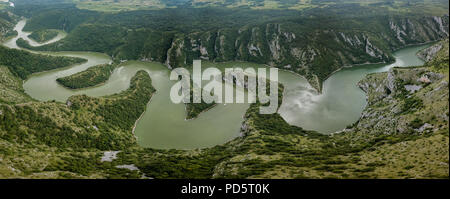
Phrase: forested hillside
x=269 y=147
x=7 y=21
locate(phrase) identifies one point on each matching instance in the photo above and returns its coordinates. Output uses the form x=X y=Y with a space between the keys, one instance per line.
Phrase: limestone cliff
x=313 y=54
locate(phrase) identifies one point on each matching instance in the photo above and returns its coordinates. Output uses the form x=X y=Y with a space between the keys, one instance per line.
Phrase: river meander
x=163 y=125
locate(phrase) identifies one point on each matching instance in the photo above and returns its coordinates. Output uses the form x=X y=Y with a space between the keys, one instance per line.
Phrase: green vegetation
x=268 y=148
x=440 y=61
x=3 y=5
x=115 y=6
x=127 y=106
x=42 y=36
x=7 y=21
x=96 y=123
x=411 y=103
x=271 y=148
x=314 y=43
x=23 y=64
x=52 y=16
x=93 y=76
x=194 y=109
x=11 y=90
x=401 y=6
x=402 y=134
x=66 y=139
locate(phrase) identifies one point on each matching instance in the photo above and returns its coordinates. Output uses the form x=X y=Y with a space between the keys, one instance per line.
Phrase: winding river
x=163 y=125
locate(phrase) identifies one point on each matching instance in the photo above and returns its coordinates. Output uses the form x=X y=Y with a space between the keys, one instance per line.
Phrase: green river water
x=163 y=125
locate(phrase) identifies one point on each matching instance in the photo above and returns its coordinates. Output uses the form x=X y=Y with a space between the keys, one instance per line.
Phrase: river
x=163 y=125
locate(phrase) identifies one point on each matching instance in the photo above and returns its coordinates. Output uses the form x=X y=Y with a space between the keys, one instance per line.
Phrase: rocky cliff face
x=407 y=31
x=402 y=133
x=313 y=54
x=312 y=47
x=406 y=100
x=430 y=52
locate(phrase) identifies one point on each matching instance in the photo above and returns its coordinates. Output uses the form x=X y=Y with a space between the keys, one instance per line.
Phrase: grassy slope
x=84 y=122
x=440 y=62
x=193 y=110
x=22 y=63
x=270 y=148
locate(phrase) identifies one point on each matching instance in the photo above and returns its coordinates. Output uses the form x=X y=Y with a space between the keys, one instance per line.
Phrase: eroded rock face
x=399 y=101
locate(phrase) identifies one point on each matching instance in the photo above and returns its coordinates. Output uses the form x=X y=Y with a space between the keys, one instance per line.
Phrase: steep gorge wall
x=314 y=48
x=314 y=54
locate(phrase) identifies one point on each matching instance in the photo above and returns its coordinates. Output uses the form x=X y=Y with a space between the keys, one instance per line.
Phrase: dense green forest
x=23 y=64
x=194 y=109
x=43 y=35
x=93 y=76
